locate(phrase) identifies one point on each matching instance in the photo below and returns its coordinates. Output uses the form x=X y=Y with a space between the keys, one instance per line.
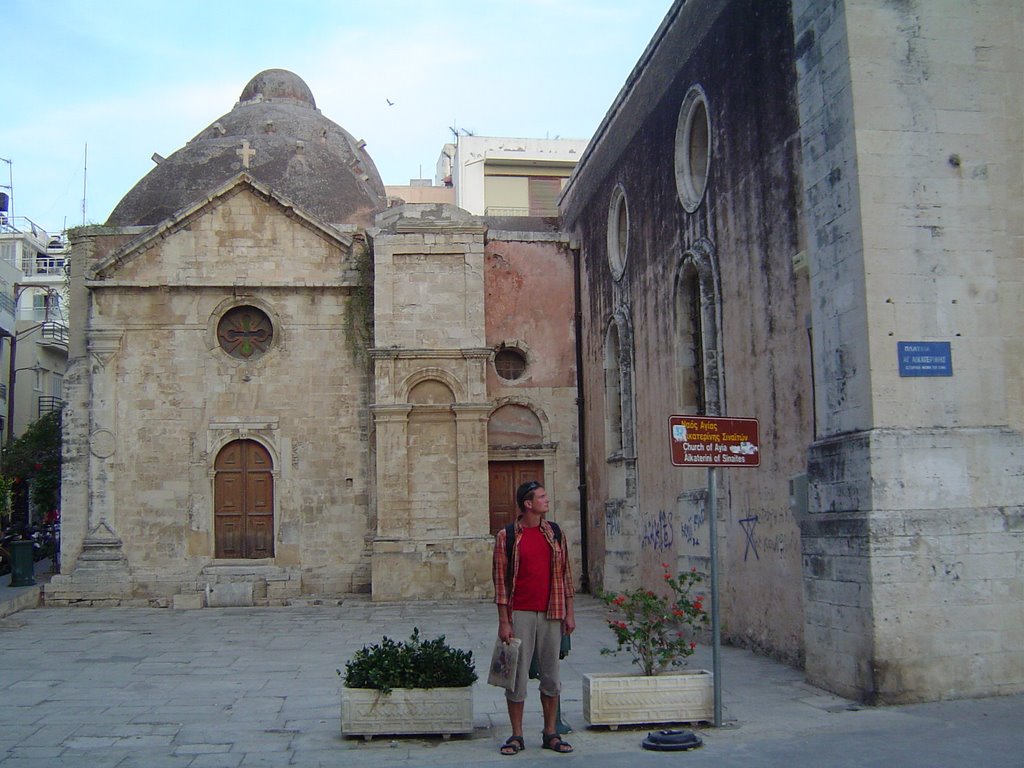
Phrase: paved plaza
x=233 y=687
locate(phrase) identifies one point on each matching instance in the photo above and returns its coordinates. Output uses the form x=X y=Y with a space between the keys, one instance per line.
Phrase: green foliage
x=653 y=627
x=6 y=486
x=33 y=461
x=413 y=663
x=360 y=304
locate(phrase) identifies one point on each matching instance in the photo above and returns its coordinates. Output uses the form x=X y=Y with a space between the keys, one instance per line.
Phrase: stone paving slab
x=258 y=687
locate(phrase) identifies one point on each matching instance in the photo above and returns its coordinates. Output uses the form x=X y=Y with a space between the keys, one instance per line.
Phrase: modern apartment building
x=33 y=321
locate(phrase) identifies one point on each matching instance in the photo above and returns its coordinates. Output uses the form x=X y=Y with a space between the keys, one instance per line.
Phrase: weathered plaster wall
x=529 y=305
x=748 y=222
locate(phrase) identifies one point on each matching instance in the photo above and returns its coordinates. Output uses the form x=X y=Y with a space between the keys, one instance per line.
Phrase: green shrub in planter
x=413 y=663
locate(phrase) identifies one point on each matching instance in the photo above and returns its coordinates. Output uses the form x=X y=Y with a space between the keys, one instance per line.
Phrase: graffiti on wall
x=768 y=531
x=748 y=524
x=658 y=532
x=692 y=508
x=692 y=525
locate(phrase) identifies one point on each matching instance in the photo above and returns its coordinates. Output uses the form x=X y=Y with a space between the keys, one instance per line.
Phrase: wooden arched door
x=243 y=501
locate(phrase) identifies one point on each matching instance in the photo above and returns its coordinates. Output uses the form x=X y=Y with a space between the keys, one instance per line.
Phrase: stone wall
x=743 y=238
x=910 y=118
x=155 y=399
x=449 y=295
x=430 y=405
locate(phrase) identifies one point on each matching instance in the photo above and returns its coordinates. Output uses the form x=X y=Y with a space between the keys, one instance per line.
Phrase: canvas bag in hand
x=504 y=662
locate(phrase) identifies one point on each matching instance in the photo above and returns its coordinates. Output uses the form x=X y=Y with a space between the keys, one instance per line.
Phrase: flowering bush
x=653 y=627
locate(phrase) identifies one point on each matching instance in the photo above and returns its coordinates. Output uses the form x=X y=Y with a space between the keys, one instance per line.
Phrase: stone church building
x=805 y=212
x=811 y=213
x=280 y=389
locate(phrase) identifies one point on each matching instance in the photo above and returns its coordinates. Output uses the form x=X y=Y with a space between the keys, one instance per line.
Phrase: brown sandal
x=513 y=745
x=555 y=743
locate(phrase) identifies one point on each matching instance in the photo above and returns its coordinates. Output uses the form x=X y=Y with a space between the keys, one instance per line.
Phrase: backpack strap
x=510 y=540
x=557 y=531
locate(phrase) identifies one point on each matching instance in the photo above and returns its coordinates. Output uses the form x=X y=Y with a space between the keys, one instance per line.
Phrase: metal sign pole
x=716 y=640
x=712 y=442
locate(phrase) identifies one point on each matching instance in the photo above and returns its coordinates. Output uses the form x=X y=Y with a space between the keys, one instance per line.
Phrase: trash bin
x=22 y=565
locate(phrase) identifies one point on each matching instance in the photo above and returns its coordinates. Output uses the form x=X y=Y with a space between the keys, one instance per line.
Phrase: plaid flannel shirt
x=561 y=572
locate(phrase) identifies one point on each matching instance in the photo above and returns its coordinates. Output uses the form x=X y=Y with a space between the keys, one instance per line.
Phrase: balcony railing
x=46 y=265
x=54 y=334
x=492 y=210
x=49 y=403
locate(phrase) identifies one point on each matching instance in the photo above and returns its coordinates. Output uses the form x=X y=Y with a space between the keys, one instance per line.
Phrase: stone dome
x=275 y=85
x=276 y=134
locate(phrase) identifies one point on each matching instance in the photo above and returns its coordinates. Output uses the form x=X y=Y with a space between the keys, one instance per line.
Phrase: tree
x=31 y=465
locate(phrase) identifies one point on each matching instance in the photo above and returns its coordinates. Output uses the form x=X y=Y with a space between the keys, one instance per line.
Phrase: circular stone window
x=618 y=232
x=245 y=332
x=693 y=149
x=509 y=363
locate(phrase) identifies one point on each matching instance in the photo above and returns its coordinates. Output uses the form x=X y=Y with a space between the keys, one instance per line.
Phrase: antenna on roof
x=85 y=176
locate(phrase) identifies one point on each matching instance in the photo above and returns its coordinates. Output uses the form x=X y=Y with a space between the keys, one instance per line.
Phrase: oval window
x=618 y=232
x=693 y=149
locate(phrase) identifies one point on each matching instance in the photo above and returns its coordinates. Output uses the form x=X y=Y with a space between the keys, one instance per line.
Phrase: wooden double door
x=244 y=501
x=504 y=477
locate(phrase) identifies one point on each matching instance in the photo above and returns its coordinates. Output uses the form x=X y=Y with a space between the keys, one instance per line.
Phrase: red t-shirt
x=533 y=579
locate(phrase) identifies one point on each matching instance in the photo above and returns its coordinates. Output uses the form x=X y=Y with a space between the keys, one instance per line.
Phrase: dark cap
x=525 y=490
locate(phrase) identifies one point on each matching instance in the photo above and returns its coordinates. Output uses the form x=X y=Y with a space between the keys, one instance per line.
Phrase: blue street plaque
x=925 y=358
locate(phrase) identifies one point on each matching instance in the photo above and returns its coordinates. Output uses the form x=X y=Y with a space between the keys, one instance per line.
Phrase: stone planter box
x=674 y=697
x=367 y=712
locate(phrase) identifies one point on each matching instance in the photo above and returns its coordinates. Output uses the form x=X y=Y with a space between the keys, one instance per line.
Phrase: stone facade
x=863 y=189
x=430 y=407
x=725 y=272
x=264 y=407
x=154 y=399
x=448 y=293
x=911 y=121
x=782 y=193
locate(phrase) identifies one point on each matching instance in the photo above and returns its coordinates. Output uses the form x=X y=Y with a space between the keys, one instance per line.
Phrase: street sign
x=713 y=441
x=924 y=358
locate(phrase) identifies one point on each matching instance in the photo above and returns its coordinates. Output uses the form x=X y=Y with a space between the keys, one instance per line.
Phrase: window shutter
x=544 y=195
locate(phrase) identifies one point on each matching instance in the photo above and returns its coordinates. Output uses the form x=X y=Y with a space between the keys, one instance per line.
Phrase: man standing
x=534 y=592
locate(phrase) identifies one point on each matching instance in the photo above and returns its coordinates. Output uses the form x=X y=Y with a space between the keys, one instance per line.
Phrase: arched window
x=697 y=342
x=612 y=393
x=690 y=343
x=433 y=459
x=618 y=378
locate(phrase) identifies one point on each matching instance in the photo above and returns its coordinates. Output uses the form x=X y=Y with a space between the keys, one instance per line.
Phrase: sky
x=92 y=89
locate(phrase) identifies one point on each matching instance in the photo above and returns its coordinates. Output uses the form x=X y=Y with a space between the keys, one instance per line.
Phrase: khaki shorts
x=545 y=636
